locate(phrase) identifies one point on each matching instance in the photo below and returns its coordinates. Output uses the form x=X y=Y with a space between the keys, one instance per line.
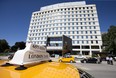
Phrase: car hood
x=40 y=70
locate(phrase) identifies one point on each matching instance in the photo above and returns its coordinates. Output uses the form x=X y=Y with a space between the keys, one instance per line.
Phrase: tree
x=109 y=39
x=3 y=45
x=18 y=45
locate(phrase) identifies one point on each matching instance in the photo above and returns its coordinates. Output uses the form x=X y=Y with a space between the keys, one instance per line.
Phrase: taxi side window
x=69 y=57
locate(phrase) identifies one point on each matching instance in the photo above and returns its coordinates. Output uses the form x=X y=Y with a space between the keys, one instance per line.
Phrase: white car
x=79 y=56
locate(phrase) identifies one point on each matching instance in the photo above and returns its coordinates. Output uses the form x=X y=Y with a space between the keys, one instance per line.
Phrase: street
x=98 y=70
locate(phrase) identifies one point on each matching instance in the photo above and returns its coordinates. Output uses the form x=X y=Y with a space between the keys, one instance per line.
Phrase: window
x=94 y=27
x=96 y=37
x=82 y=42
x=85 y=47
x=90 y=32
x=77 y=27
x=72 y=19
x=91 y=42
x=87 y=11
x=92 y=14
x=73 y=23
x=68 y=8
x=81 y=32
x=85 y=52
x=72 y=8
x=82 y=37
x=73 y=32
x=75 y=8
x=86 y=32
x=68 y=32
x=95 y=32
x=91 y=37
x=77 y=42
x=91 y=7
x=94 y=47
x=86 y=37
x=76 y=23
x=81 y=23
x=77 y=37
x=80 y=19
x=93 y=22
x=77 y=32
x=72 y=27
x=87 y=42
x=96 y=42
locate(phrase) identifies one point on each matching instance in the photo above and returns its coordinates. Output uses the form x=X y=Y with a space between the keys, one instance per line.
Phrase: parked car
x=89 y=60
x=52 y=55
x=67 y=58
x=80 y=56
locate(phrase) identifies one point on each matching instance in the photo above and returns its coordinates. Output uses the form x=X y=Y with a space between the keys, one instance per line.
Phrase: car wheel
x=84 y=61
x=71 y=61
x=60 y=60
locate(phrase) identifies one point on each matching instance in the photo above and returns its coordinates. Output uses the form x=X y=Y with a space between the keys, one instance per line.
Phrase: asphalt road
x=98 y=70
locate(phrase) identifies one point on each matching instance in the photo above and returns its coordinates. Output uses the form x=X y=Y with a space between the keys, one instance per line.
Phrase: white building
x=76 y=20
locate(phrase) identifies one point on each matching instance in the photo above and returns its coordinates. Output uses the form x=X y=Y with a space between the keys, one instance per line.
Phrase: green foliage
x=18 y=45
x=3 y=45
x=109 y=39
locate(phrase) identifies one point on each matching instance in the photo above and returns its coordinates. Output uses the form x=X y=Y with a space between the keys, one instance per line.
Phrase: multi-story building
x=76 y=20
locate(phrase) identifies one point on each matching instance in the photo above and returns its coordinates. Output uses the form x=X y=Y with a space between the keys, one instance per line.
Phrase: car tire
x=71 y=61
x=60 y=60
x=84 y=61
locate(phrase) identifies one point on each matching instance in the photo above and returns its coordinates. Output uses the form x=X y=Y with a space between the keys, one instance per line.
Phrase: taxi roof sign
x=31 y=54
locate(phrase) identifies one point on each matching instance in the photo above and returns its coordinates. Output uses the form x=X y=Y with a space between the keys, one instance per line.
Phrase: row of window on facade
x=85 y=47
x=64 y=32
x=45 y=28
x=73 y=42
x=40 y=18
x=48 y=28
x=55 y=20
x=65 y=13
x=65 y=9
x=68 y=23
x=72 y=37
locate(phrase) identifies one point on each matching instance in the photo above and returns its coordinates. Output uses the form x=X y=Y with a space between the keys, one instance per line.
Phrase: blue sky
x=15 y=16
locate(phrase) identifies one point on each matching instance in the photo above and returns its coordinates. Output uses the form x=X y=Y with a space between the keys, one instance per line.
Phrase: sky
x=15 y=16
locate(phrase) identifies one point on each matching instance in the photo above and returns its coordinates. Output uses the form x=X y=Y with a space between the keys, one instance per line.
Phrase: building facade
x=77 y=20
x=60 y=45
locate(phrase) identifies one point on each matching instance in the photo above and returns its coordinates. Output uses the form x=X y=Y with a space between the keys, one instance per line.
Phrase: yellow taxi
x=67 y=58
x=42 y=70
